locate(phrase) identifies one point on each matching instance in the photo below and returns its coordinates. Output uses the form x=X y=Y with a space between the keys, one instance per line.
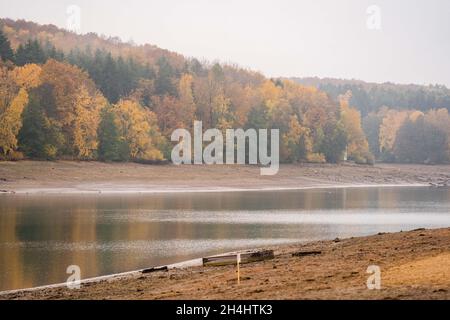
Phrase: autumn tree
x=87 y=118
x=138 y=128
x=13 y=99
x=388 y=132
x=357 y=145
x=76 y=108
x=11 y=123
x=28 y=76
x=296 y=142
x=186 y=99
x=313 y=108
x=222 y=116
x=209 y=94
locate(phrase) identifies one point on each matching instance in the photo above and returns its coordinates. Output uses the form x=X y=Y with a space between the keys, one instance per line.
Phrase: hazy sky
x=325 y=38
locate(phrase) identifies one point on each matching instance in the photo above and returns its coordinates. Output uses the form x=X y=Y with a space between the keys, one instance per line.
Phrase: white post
x=238 y=257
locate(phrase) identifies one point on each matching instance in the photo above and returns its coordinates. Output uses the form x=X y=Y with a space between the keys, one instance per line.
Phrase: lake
x=40 y=236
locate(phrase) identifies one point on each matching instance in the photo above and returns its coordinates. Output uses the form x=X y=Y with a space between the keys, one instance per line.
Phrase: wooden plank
x=231 y=259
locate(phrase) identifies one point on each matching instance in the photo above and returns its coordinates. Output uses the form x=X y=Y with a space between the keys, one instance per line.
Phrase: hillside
x=20 y=31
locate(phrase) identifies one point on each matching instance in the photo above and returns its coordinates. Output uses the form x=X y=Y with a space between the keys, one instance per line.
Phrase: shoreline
x=69 y=177
x=51 y=192
x=115 y=276
x=402 y=259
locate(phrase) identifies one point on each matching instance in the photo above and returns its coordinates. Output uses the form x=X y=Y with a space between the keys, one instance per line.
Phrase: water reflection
x=40 y=236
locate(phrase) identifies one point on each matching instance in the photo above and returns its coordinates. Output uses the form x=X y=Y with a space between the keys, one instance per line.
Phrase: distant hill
x=20 y=31
x=114 y=65
x=370 y=97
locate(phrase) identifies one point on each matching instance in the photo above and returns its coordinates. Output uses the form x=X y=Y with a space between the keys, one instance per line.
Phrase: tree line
x=409 y=136
x=370 y=97
x=95 y=106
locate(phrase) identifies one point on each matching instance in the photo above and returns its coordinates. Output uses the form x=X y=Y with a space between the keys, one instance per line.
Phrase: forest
x=89 y=97
x=403 y=123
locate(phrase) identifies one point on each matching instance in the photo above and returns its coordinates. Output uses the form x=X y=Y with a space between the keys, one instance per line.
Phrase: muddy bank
x=414 y=265
x=95 y=177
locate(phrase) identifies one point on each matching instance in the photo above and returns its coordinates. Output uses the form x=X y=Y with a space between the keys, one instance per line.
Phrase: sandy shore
x=94 y=177
x=414 y=265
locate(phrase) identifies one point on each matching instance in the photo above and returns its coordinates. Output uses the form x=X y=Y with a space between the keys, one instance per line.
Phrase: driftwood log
x=306 y=253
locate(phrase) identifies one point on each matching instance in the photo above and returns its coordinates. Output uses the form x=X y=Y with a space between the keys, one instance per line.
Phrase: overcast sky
x=324 y=38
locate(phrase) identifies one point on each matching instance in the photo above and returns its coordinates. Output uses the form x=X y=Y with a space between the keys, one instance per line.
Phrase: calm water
x=40 y=236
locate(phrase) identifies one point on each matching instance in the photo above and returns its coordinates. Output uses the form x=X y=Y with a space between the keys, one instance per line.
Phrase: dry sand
x=414 y=265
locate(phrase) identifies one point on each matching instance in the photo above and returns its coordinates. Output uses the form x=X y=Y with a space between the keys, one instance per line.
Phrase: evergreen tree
x=6 y=53
x=39 y=137
x=51 y=52
x=31 y=52
x=111 y=145
x=164 y=80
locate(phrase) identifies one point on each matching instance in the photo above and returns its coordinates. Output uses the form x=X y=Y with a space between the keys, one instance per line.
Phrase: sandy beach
x=413 y=265
x=94 y=177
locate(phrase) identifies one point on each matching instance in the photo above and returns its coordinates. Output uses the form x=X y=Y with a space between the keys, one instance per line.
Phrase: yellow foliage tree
x=28 y=76
x=78 y=104
x=271 y=94
x=222 y=115
x=138 y=127
x=296 y=143
x=186 y=98
x=357 y=145
x=11 y=122
x=8 y=88
x=390 y=125
x=87 y=118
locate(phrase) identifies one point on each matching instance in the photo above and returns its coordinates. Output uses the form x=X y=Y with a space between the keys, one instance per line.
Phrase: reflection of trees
x=43 y=236
x=49 y=234
x=83 y=230
x=12 y=273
